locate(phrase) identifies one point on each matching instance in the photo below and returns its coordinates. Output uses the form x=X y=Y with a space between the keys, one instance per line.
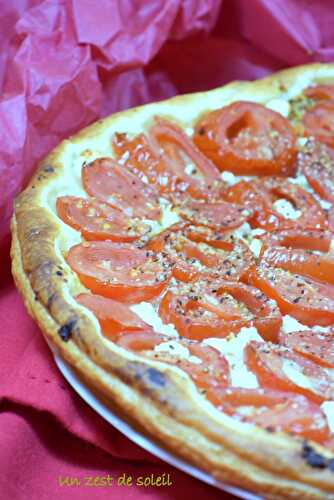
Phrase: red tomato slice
x=316 y=162
x=305 y=299
x=247 y=139
x=143 y=157
x=261 y=195
x=211 y=370
x=304 y=239
x=320 y=92
x=117 y=186
x=231 y=306
x=121 y=272
x=114 y=317
x=277 y=367
x=99 y=221
x=314 y=345
x=318 y=122
x=195 y=173
x=303 y=262
x=140 y=341
x=192 y=260
x=216 y=215
x=275 y=411
x=212 y=237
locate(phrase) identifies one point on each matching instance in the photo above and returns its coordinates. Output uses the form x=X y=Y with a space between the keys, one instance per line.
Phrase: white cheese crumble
x=280 y=106
x=229 y=178
x=290 y=324
x=148 y=314
x=255 y=246
x=285 y=208
x=243 y=231
x=232 y=348
x=168 y=218
x=177 y=350
x=292 y=371
x=328 y=409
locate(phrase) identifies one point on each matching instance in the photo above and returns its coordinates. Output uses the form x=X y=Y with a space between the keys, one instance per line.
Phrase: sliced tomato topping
x=140 y=341
x=304 y=262
x=144 y=158
x=113 y=184
x=212 y=237
x=264 y=197
x=247 y=139
x=306 y=239
x=315 y=345
x=307 y=300
x=216 y=215
x=275 y=411
x=316 y=162
x=206 y=367
x=219 y=311
x=192 y=260
x=320 y=92
x=114 y=317
x=99 y=221
x=121 y=272
x=318 y=122
x=192 y=171
x=278 y=367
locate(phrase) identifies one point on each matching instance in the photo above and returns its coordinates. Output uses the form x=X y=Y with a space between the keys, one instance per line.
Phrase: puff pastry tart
x=179 y=257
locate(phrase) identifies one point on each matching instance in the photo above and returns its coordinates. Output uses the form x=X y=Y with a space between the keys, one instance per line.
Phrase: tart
x=179 y=257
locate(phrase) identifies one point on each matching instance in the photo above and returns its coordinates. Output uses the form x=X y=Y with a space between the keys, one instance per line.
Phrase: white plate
x=142 y=440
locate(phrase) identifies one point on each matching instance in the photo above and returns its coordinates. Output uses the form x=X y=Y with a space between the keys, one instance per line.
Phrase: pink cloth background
x=63 y=64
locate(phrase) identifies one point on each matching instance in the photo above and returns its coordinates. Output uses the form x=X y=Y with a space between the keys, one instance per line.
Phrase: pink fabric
x=63 y=64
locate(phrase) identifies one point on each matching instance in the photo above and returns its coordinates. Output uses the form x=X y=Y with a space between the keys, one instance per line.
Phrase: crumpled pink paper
x=64 y=63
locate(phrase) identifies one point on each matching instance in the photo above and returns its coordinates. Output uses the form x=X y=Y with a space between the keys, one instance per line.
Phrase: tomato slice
x=139 y=341
x=111 y=183
x=114 y=317
x=212 y=237
x=281 y=368
x=144 y=158
x=305 y=239
x=307 y=300
x=320 y=92
x=303 y=262
x=209 y=371
x=192 y=260
x=194 y=172
x=216 y=215
x=219 y=311
x=275 y=411
x=262 y=196
x=247 y=139
x=315 y=345
x=316 y=162
x=99 y=221
x=119 y=271
x=318 y=122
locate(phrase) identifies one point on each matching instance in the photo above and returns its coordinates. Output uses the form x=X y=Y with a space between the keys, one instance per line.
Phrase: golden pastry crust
x=160 y=398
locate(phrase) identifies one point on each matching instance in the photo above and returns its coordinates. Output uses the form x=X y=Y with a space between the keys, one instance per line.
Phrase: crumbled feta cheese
x=328 y=409
x=255 y=246
x=177 y=350
x=232 y=348
x=293 y=372
x=290 y=324
x=229 y=178
x=285 y=208
x=147 y=313
x=280 y=106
